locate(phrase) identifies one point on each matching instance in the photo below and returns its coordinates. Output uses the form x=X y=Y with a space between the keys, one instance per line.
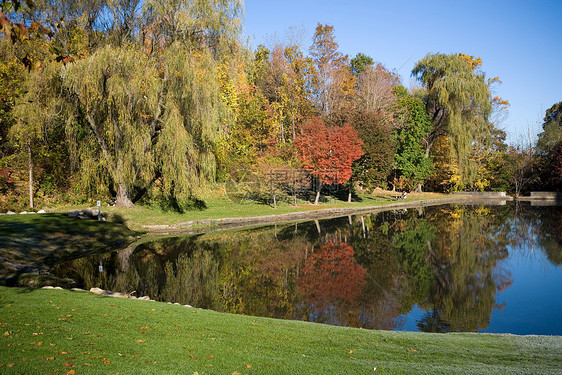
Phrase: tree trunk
x=30 y=165
x=419 y=188
x=318 y=193
x=123 y=199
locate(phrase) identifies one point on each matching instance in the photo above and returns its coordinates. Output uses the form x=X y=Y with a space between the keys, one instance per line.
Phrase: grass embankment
x=218 y=206
x=63 y=332
x=30 y=242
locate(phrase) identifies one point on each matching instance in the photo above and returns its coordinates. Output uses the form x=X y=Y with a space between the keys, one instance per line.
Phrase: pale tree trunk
x=318 y=193
x=419 y=188
x=122 y=199
x=30 y=161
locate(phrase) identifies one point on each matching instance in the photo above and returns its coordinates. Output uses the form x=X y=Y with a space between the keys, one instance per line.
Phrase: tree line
x=158 y=100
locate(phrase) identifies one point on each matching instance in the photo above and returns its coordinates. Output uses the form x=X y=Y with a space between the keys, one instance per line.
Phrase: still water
x=450 y=268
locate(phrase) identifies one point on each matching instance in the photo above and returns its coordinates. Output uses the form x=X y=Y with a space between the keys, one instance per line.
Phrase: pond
x=450 y=268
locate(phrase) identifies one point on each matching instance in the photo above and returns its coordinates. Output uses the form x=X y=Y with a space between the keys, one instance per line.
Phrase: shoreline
x=207 y=225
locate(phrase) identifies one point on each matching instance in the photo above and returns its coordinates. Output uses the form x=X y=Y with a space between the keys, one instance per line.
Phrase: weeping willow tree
x=203 y=24
x=147 y=115
x=37 y=133
x=116 y=91
x=184 y=151
x=148 y=119
x=459 y=103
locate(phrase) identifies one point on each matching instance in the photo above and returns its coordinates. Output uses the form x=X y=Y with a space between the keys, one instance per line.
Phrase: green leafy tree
x=459 y=103
x=202 y=24
x=149 y=118
x=116 y=91
x=415 y=126
x=361 y=63
x=549 y=150
x=375 y=131
x=551 y=135
x=39 y=131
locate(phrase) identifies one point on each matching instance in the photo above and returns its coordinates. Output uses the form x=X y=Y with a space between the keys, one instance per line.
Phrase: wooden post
x=30 y=161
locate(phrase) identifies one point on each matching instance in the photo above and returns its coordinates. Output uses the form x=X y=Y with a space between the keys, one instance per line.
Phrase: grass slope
x=63 y=332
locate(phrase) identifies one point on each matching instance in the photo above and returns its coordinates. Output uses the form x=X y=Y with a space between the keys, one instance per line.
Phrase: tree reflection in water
x=364 y=271
x=331 y=283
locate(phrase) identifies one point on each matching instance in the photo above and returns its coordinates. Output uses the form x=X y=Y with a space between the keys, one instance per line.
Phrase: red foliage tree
x=328 y=152
x=331 y=274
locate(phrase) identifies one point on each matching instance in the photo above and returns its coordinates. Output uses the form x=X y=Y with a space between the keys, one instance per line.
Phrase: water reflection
x=371 y=271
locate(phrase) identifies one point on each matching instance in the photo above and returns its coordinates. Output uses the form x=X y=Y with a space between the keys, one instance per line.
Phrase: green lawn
x=64 y=332
x=219 y=206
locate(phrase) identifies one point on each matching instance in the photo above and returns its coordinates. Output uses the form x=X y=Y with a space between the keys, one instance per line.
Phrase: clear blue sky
x=518 y=41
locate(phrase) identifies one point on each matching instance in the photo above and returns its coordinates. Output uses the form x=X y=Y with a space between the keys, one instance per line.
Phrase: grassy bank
x=219 y=206
x=63 y=332
x=28 y=243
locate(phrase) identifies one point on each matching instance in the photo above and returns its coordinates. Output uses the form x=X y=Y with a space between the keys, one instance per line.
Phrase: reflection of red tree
x=331 y=273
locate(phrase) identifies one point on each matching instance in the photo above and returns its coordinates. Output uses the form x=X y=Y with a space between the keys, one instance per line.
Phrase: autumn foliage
x=328 y=152
x=331 y=274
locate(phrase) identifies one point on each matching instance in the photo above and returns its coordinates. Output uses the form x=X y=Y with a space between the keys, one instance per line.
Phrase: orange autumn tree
x=328 y=152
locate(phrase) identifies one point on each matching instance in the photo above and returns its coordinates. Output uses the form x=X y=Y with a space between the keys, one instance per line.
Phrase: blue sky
x=518 y=41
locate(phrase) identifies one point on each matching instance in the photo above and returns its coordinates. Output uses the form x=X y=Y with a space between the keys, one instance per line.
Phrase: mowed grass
x=64 y=332
x=219 y=206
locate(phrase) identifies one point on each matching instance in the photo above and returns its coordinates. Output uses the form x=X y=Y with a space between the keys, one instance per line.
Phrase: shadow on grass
x=31 y=244
x=174 y=205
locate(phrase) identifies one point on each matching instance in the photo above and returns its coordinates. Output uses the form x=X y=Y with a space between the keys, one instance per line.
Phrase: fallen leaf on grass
x=48 y=358
x=10 y=364
x=68 y=364
x=351 y=351
x=141 y=341
x=210 y=356
x=192 y=356
x=71 y=372
x=414 y=350
x=248 y=366
x=106 y=361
